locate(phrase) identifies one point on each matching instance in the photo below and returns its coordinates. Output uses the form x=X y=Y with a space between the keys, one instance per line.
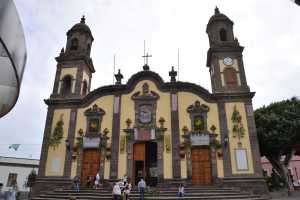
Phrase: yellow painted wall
x=186 y=99
x=233 y=141
x=60 y=151
x=163 y=110
x=106 y=103
x=65 y=71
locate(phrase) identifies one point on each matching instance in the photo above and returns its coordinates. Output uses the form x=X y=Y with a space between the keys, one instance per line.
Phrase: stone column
x=224 y=134
x=45 y=145
x=160 y=161
x=129 y=158
x=253 y=139
x=175 y=137
x=71 y=136
x=115 y=137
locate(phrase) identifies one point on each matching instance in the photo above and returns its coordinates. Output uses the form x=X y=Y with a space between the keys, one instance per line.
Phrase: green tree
x=30 y=181
x=278 y=130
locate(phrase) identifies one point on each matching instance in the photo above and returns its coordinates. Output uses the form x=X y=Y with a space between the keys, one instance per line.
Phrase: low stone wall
x=50 y=183
x=249 y=184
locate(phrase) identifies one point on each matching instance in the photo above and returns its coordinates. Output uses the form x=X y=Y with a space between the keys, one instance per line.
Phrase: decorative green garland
x=237 y=129
x=130 y=136
x=57 y=135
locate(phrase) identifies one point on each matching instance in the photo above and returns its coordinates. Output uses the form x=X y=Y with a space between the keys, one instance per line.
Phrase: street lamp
x=12 y=55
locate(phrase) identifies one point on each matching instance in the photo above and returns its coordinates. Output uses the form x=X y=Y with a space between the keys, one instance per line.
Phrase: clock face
x=228 y=61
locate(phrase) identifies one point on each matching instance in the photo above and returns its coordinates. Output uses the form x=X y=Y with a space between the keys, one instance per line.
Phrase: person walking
x=76 y=183
x=97 y=181
x=89 y=182
x=141 y=187
x=116 y=192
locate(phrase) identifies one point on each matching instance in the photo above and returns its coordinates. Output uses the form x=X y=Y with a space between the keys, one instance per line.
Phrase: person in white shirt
x=180 y=191
x=142 y=187
x=116 y=192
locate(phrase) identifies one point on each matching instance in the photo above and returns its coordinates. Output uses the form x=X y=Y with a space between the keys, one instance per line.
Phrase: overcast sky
x=269 y=30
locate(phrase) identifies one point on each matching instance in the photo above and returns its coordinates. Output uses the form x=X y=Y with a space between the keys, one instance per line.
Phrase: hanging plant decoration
x=58 y=133
x=79 y=143
x=238 y=128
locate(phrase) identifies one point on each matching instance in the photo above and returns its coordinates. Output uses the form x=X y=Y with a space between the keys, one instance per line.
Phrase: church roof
x=218 y=17
x=120 y=89
x=81 y=26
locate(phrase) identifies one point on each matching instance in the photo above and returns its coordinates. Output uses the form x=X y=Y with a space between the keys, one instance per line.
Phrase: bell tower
x=224 y=56
x=74 y=64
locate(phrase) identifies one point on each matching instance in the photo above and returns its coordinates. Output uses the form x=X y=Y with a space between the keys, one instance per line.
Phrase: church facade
x=167 y=132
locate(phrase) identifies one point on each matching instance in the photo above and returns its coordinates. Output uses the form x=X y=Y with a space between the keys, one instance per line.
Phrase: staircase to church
x=195 y=193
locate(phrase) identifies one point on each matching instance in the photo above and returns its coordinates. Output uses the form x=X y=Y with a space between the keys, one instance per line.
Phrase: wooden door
x=90 y=164
x=138 y=162
x=201 y=166
x=139 y=151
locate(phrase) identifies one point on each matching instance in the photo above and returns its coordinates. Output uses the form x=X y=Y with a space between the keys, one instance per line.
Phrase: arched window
x=66 y=85
x=230 y=77
x=223 y=34
x=84 y=87
x=74 y=44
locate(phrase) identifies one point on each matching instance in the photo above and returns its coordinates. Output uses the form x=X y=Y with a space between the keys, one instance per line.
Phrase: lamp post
x=68 y=145
x=12 y=55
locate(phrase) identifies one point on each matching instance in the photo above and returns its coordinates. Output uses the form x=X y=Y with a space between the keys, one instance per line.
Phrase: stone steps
x=195 y=193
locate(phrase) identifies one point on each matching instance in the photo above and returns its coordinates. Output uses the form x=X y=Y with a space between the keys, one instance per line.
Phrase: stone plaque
x=144 y=135
x=200 y=139
x=55 y=165
x=93 y=142
x=241 y=159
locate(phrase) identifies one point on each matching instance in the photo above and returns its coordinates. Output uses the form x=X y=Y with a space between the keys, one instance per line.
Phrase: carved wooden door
x=201 y=166
x=90 y=164
x=138 y=162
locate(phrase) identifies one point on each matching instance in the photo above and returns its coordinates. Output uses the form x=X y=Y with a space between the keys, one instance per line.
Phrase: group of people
x=122 y=188
x=91 y=182
x=12 y=194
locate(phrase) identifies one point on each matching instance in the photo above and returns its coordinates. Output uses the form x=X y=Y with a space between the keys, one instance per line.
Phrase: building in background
x=12 y=55
x=16 y=170
x=167 y=132
x=294 y=167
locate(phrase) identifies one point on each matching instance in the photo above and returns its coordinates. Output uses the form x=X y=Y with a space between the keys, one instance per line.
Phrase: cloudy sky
x=268 y=29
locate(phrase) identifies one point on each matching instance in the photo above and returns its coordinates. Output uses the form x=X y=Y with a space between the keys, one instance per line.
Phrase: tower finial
x=82 y=19
x=217 y=11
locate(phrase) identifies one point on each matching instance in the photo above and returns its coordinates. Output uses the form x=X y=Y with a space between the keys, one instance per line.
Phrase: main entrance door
x=145 y=162
x=90 y=164
x=201 y=166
